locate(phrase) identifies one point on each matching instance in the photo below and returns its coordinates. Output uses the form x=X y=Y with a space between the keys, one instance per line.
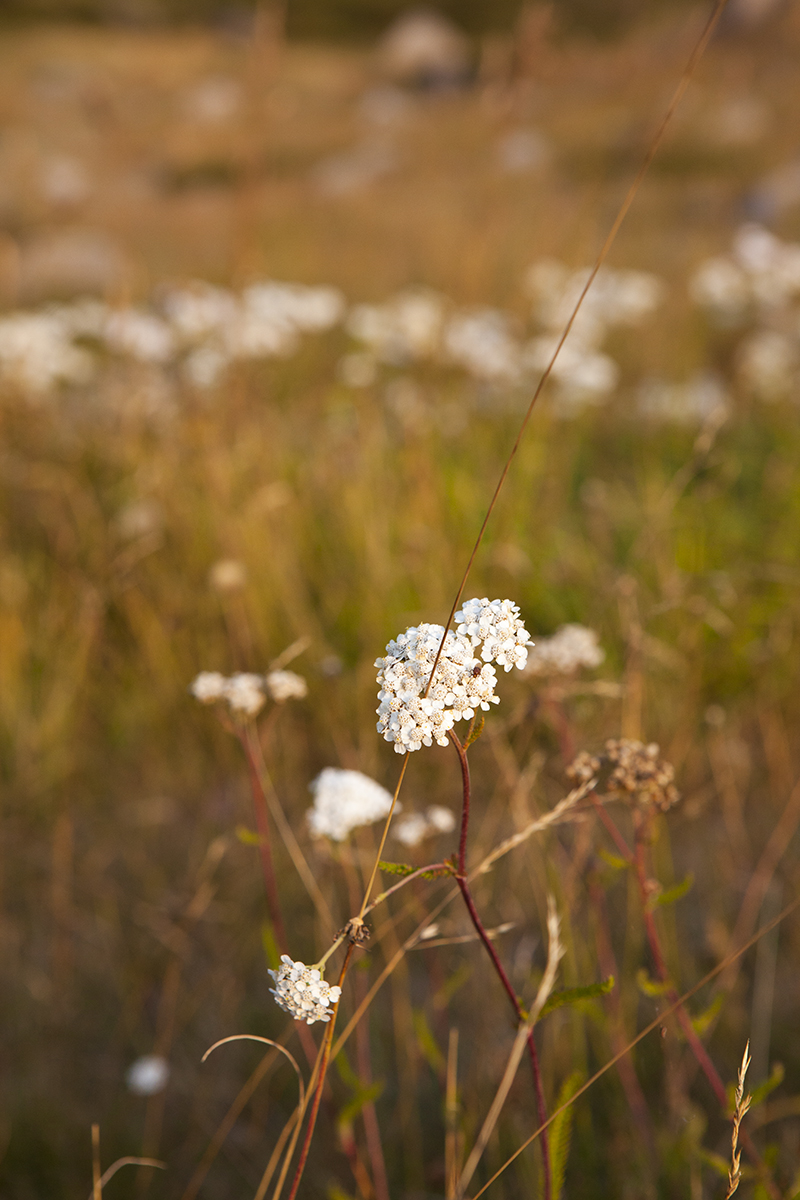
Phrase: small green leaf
x=438 y=872
x=560 y=1132
x=703 y=1020
x=361 y=1099
x=716 y=1162
x=760 y=1093
x=427 y=1042
x=396 y=868
x=248 y=837
x=674 y=893
x=613 y=860
x=576 y=994
x=651 y=987
x=271 y=951
x=475 y=729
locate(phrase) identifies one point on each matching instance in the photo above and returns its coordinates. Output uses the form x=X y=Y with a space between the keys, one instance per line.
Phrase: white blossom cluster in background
x=196 y=331
x=246 y=693
x=345 y=800
x=584 y=374
x=756 y=288
x=301 y=991
x=462 y=684
x=414 y=828
x=486 y=342
x=569 y=649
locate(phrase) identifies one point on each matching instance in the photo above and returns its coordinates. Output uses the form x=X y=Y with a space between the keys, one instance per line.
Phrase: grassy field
x=132 y=912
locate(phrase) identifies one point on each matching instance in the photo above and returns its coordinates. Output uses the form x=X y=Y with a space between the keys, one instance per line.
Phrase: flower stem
x=480 y=929
x=264 y=848
x=323 y=1070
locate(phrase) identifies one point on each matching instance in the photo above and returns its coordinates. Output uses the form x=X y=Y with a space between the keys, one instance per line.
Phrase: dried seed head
x=634 y=771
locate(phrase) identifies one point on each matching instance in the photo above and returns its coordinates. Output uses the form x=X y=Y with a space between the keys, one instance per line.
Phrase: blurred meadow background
x=275 y=294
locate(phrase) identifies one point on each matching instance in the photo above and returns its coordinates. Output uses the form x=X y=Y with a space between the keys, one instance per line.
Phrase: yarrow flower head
x=497 y=626
x=246 y=693
x=570 y=647
x=285 y=685
x=413 y=714
x=416 y=827
x=343 y=800
x=301 y=991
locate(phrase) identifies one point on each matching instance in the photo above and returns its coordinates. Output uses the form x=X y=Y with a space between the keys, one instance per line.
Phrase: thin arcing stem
x=290 y=841
x=683 y=83
x=648 y=1029
x=264 y=848
x=385 y=834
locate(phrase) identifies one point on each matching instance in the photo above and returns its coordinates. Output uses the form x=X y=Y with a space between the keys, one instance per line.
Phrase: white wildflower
x=496 y=624
x=301 y=991
x=415 y=827
x=285 y=685
x=148 y=1075
x=208 y=687
x=343 y=800
x=245 y=693
x=571 y=647
x=415 y=712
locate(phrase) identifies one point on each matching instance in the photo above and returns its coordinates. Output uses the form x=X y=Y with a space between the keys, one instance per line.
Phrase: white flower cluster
x=571 y=647
x=199 y=328
x=285 y=685
x=246 y=693
x=462 y=684
x=496 y=627
x=616 y=298
x=415 y=827
x=757 y=283
x=301 y=991
x=344 y=800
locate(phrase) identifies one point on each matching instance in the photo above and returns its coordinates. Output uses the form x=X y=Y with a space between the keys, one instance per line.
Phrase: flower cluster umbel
x=634 y=771
x=413 y=714
x=302 y=991
x=245 y=693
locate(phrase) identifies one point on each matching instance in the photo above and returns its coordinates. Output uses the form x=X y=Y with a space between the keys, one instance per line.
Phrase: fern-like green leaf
x=576 y=994
x=560 y=1133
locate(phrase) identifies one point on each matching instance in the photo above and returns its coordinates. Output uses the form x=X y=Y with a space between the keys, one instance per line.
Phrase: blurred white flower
x=768 y=362
x=148 y=1075
x=285 y=685
x=406 y=327
x=692 y=401
x=415 y=827
x=301 y=991
x=481 y=342
x=522 y=150
x=571 y=647
x=208 y=687
x=140 y=335
x=37 y=352
x=228 y=575
x=245 y=693
x=344 y=800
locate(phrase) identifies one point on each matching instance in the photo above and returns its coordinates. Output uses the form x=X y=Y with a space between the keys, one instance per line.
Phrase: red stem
x=323 y=1068
x=480 y=929
x=637 y=861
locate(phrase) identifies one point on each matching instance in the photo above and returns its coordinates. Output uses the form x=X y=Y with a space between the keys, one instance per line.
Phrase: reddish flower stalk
x=480 y=929
x=323 y=1070
x=636 y=860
